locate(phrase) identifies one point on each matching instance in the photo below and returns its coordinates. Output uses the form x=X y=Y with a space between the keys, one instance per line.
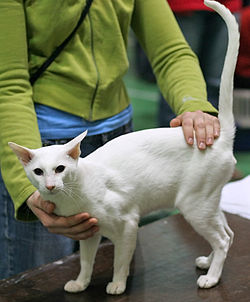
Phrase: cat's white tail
x=226 y=87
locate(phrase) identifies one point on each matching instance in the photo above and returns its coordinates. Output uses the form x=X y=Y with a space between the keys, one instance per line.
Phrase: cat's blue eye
x=38 y=171
x=60 y=169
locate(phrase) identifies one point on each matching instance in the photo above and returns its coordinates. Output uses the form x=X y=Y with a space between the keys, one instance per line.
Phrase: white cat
x=140 y=172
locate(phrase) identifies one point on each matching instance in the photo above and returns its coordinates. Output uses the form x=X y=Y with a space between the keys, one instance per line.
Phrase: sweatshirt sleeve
x=175 y=65
x=17 y=115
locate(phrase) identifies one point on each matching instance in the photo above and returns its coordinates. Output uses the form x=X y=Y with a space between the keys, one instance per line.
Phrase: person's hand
x=77 y=227
x=205 y=126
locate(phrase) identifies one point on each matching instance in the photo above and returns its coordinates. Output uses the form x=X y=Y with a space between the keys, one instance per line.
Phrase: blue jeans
x=25 y=245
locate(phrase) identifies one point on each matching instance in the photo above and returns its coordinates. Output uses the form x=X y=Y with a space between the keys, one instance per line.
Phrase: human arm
x=177 y=70
x=18 y=123
x=17 y=116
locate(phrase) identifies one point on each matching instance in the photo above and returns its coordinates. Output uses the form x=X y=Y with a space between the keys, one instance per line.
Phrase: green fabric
x=86 y=79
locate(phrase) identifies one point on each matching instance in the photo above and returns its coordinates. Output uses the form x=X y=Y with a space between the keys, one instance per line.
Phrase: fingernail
x=202 y=145
x=85 y=216
x=190 y=140
x=209 y=141
x=94 y=221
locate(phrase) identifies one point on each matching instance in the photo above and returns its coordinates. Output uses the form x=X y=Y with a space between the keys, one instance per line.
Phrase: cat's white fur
x=140 y=172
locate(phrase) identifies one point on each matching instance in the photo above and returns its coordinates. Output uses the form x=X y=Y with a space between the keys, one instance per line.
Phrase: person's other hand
x=78 y=227
x=205 y=126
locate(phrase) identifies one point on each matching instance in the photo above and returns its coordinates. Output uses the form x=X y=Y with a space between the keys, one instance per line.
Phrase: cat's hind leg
x=124 y=250
x=227 y=228
x=219 y=239
x=88 y=249
x=220 y=249
x=214 y=229
x=205 y=262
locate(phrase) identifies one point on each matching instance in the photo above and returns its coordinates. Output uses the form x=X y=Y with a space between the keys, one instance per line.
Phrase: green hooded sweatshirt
x=86 y=78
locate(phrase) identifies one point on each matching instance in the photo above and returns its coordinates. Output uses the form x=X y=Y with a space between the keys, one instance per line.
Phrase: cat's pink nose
x=50 y=188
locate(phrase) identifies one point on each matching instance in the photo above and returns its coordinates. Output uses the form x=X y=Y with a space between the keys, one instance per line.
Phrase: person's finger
x=209 y=124
x=176 y=122
x=35 y=201
x=200 y=130
x=84 y=235
x=41 y=215
x=187 y=124
x=216 y=123
x=46 y=206
x=67 y=228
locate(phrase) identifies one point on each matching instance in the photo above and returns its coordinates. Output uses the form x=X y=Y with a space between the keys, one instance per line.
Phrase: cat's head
x=50 y=168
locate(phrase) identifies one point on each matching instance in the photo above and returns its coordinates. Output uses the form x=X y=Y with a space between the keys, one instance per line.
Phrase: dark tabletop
x=163 y=269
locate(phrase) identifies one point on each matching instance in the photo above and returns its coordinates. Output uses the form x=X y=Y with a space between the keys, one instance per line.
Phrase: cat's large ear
x=73 y=147
x=25 y=155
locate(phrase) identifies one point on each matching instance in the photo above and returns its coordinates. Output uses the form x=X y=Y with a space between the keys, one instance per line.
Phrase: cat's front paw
x=206 y=281
x=116 y=288
x=74 y=286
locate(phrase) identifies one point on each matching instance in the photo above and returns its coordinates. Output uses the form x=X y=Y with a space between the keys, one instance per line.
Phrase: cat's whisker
x=73 y=196
x=72 y=193
x=67 y=190
x=72 y=183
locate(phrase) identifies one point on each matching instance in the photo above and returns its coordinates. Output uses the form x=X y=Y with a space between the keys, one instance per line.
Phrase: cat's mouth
x=52 y=192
